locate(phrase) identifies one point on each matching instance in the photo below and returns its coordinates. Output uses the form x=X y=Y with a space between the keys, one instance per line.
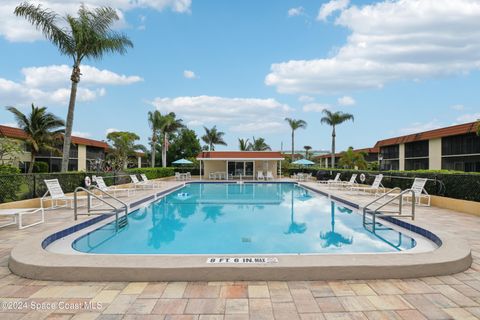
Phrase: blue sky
x=398 y=66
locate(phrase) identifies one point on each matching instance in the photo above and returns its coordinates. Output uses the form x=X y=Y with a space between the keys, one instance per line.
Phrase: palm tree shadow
x=212 y=213
x=295 y=227
x=165 y=226
x=333 y=238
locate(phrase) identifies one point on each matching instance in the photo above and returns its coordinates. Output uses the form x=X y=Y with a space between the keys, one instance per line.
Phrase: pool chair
x=418 y=188
x=17 y=215
x=188 y=176
x=178 y=176
x=55 y=195
x=269 y=176
x=140 y=184
x=345 y=184
x=113 y=190
x=157 y=184
x=376 y=187
x=260 y=175
x=335 y=180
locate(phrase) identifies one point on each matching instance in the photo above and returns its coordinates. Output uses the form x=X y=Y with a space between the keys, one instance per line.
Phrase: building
x=371 y=155
x=450 y=148
x=239 y=164
x=83 y=152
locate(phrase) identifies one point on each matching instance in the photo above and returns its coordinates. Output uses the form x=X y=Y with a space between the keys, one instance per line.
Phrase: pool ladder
x=120 y=221
x=397 y=213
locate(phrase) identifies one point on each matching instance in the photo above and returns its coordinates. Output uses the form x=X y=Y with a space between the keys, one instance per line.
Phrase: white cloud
x=458 y=107
x=417 y=127
x=293 y=12
x=110 y=130
x=316 y=107
x=236 y=113
x=468 y=118
x=330 y=7
x=306 y=99
x=189 y=74
x=10 y=124
x=17 y=29
x=390 y=41
x=346 y=101
x=51 y=85
x=81 y=134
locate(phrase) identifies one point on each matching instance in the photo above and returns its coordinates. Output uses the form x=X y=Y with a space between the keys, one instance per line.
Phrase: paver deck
x=446 y=297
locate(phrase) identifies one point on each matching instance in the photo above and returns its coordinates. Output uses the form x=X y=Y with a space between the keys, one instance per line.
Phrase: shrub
x=40 y=167
x=153 y=173
x=9 y=182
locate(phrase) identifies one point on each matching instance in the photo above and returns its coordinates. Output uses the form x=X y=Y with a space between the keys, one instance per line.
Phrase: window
x=389 y=165
x=461 y=144
x=416 y=149
x=240 y=168
x=390 y=152
x=467 y=164
x=95 y=153
x=416 y=164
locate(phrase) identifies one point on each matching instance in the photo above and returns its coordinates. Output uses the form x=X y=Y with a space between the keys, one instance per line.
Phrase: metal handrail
x=399 y=196
x=89 y=209
x=382 y=196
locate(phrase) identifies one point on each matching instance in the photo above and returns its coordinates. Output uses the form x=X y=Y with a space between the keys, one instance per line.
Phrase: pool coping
x=29 y=259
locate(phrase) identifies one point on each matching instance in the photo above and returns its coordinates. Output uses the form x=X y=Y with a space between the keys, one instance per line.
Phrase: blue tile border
x=139 y=202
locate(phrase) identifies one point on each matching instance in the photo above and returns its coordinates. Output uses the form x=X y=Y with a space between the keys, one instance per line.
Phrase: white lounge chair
x=345 y=184
x=17 y=215
x=335 y=180
x=269 y=176
x=260 y=175
x=140 y=184
x=114 y=190
x=375 y=188
x=188 y=176
x=178 y=176
x=55 y=195
x=418 y=188
x=157 y=184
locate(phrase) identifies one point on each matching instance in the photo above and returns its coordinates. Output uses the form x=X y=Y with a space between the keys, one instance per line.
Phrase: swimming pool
x=248 y=218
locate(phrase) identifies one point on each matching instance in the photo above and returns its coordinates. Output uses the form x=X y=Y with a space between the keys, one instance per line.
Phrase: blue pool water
x=250 y=218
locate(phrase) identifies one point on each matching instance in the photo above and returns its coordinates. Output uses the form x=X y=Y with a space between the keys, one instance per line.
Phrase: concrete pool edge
x=30 y=260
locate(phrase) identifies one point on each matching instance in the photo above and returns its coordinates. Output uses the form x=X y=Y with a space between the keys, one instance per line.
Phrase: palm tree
x=259 y=145
x=307 y=148
x=41 y=127
x=351 y=159
x=87 y=36
x=243 y=144
x=169 y=124
x=333 y=119
x=294 y=125
x=155 y=122
x=212 y=137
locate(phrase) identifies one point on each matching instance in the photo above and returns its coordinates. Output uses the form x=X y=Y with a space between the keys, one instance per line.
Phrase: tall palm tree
x=294 y=125
x=87 y=36
x=212 y=137
x=243 y=144
x=307 y=148
x=155 y=122
x=169 y=124
x=333 y=119
x=259 y=145
x=41 y=127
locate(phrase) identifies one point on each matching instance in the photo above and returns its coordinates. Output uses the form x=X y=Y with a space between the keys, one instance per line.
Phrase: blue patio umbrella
x=303 y=162
x=182 y=161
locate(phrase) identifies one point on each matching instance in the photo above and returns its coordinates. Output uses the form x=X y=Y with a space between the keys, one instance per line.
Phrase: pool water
x=249 y=218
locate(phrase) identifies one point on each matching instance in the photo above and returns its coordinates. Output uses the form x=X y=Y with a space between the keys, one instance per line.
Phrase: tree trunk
x=293 y=145
x=164 y=150
x=333 y=148
x=154 y=140
x=75 y=78
x=32 y=161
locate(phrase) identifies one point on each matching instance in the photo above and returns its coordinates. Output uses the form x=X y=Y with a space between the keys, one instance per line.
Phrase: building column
x=435 y=154
x=139 y=162
x=401 y=157
x=82 y=158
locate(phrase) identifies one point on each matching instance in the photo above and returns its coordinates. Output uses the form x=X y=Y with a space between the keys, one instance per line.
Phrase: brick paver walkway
x=447 y=297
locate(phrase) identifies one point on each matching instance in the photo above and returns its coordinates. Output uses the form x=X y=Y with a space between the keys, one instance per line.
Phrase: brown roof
x=240 y=155
x=17 y=133
x=431 y=134
x=366 y=150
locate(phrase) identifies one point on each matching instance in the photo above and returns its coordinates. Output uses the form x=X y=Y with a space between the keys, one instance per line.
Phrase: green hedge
x=9 y=187
x=452 y=184
x=153 y=173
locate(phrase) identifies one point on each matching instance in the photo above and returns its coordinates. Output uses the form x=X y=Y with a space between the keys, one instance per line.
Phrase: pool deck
x=443 y=297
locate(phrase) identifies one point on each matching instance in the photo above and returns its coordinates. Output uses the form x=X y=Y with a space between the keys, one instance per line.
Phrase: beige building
x=239 y=164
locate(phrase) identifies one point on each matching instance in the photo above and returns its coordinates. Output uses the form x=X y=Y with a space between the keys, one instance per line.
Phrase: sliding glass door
x=240 y=168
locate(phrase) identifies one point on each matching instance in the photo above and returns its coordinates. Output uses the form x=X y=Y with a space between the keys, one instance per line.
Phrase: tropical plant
x=258 y=145
x=351 y=160
x=169 y=125
x=10 y=151
x=294 y=125
x=155 y=123
x=213 y=137
x=243 y=144
x=333 y=119
x=184 y=145
x=123 y=147
x=42 y=129
x=87 y=36
x=307 y=148
x=478 y=128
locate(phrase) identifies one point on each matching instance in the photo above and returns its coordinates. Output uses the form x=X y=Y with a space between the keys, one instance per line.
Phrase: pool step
x=122 y=222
